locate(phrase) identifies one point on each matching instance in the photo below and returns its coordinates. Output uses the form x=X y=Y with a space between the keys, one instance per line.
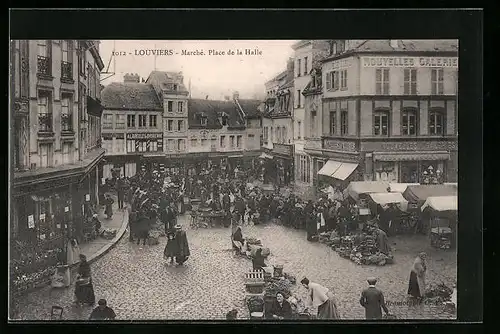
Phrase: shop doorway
x=409 y=172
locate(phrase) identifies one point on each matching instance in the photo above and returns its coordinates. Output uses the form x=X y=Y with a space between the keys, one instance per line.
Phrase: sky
x=213 y=75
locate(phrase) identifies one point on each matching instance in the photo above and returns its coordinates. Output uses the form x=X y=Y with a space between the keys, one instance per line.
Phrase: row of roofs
x=132 y=95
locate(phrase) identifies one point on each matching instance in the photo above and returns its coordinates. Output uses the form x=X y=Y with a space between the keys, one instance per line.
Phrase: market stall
x=418 y=194
x=355 y=189
x=441 y=213
x=400 y=187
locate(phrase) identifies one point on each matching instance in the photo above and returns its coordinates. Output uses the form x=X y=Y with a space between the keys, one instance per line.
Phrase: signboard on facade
x=339 y=145
x=385 y=146
x=340 y=64
x=283 y=149
x=144 y=135
x=450 y=62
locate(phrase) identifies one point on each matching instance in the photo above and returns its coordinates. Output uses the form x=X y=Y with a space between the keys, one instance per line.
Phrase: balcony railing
x=45 y=122
x=44 y=66
x=67 y=71
x=66 y=123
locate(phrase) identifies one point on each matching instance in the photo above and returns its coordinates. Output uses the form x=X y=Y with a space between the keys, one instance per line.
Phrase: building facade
x=389 y=110
x=132 y=126
x=55 y=140
x=307 y=54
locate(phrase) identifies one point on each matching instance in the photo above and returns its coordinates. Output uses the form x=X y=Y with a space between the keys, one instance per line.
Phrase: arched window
x=436 y=121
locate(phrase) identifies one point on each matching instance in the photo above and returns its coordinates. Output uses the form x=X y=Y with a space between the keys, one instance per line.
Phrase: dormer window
x=224 y=119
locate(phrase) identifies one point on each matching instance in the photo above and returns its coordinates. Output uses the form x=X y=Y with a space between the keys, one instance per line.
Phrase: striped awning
x=411 y=156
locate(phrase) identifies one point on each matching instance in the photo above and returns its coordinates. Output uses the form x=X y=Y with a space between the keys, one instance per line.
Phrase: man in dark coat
x=372 y=299
x=120 y=191
x=240 y=206
x=226 y=202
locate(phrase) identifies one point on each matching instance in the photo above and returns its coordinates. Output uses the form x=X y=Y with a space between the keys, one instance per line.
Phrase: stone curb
x=114 y=241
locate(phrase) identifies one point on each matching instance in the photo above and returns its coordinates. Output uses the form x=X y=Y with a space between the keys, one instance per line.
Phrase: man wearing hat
x=372 y=299
x=102 y=312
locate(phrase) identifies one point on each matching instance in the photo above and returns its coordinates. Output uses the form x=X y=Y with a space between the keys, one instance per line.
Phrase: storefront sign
x=283 y=149
x=437 y=145
x=87 y=197
x=66 y=209
x=144 y=135
x=31 y=221
x=339 y=64
x=339 y=145
x=450 y=62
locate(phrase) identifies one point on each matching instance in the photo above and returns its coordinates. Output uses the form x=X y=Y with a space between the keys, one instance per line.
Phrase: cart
x=442 y=213
x=441 y=237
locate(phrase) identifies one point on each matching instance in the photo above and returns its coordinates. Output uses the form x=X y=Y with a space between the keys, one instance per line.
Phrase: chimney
x=394 y=43
x=131 y=78
x=236 y=95
x=180 y=77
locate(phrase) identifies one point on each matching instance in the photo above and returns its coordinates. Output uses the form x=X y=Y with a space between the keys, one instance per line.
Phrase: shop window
x=437 y=81
x=153 y=146
x=410 y=82
x=131 y=146
x=409 y=172
x=343 y=122
x=381 y=123
x=436 y=122
x=386 y=171
x=409 y=122
x=382 y=81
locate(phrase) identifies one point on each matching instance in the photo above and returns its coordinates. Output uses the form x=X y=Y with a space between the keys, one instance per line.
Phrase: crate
x=255 y=276
x=255 y=287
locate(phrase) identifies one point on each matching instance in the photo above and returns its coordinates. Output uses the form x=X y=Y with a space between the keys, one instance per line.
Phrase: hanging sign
x=31 y=221
x=42 y=216
x=66 y=209
x=87 y=197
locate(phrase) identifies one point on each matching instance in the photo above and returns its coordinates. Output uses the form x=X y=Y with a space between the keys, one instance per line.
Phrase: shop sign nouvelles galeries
x=449 y=62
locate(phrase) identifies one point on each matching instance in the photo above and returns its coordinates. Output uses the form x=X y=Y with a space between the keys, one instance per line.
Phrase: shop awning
x=265 y=156
x=441 y=203
x=329 y=168
x=366 y=187
x=344 y=171
x=411 y=156
x=419 y=194
x=384 y=199
x=401 y=187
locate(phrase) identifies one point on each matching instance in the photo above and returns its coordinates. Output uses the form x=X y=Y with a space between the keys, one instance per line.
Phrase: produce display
x=255 y=304
x=360 y=248
x=438 y=293
x=280 y=285
x=253 y=241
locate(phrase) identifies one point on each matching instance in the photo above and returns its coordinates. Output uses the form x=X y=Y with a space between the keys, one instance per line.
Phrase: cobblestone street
x=138 y=284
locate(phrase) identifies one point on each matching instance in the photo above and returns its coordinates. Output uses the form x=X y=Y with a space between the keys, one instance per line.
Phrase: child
x=169 y=251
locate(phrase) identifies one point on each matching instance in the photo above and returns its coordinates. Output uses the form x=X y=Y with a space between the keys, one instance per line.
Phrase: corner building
x=389 y=110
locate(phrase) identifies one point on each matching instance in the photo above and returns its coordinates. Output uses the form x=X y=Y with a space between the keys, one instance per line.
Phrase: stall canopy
x=388 y=198
x=441 y=203
x=265 y=156
x=400 y=187
x=419 y=194
x=337 y=170
x=366 y=187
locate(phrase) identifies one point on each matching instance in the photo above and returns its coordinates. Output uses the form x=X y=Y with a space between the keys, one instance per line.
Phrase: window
x=43 y=58
x=298 y=98
x=131 y=121
x=251 y=135
x=120 y=145
x=271 y=134
x=107 y=121
x=66 y=113
x=381 y=123
x=299 y=129
x=332 y=80
x=180 y=125
x=222 y=141
x=231 y=141
x=45 y=155
x=305 y=66
x=238 y=141
x=130 y=146
x=213 y=142
x=343 y=122
x=409 y=122
x=437 y=81
x=67 y=60
x=382 y=81
x=44 y=111
x=142 y=121
x=224 y=120
x=340 y=46
x=107 y=144
x=329 y=80
x=204 y=142
x=171 y=145
x=180 y=144
x=436 y=120
x=298 y=67
x=170 y=106
x=120 y=121
x=334 y=48
x=180 y=106
x=67 y=153
x=312 y=125
x=175 y=87
x=285 y=134
x=265 y=133
x=170 y=125
x=152 y=121
x=410 y=82
x=194 y=142
x=153 y=146
x=203 y=120
x=343 y=79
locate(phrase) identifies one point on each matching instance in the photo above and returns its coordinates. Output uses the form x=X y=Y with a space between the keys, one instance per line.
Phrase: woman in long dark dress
x=84 y=290
x=416 y=285
x=182 y=249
